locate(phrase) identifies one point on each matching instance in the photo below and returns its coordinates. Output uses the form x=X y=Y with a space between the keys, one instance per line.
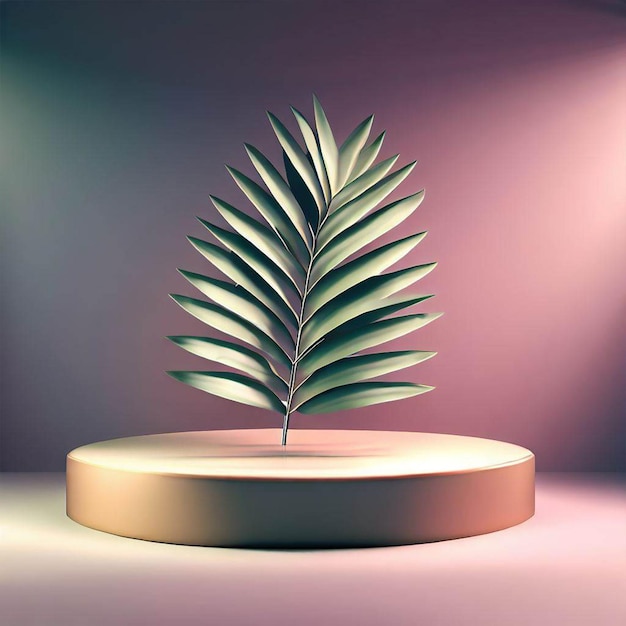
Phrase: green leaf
x=242 y=274
x=361 y=394
x=354 y=210
x=232 y=387
x=258 y=262
x=235 y=356
x=355 y=369
x=299 y=161
x=281 y=191
x=350 y=150
x=314 y=151
x=367 y=157
x=343 y=344
x=304 y=289
x=274 y=215
x=263 y=239
x=239 y=302
x=219 y=318
x=363 y=233
x=302 y=195
x=384 y=308
x=328 y=147
x=362 y=183
x=370 y=264
x=359 y=299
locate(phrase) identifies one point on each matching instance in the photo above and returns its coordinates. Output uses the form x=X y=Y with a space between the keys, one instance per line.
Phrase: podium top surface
x=256 y=454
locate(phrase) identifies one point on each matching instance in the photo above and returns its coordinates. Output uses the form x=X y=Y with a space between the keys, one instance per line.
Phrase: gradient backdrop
x=118 y=116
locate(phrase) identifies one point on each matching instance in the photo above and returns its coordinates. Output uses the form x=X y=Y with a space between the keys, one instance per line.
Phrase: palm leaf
x=283 y=194
x=367 y=157
x=350 y=150
x=357 y=300
x=355 y=369
x=239 y=302
x=360 y=394
x=232 y=387
x=370 y=264
x=235 y=356
x=384 y=309
x=258 y=262
x=263 y=239
x=353 y=211
x=312 y=146
x=274 y=213
x=304 y=308
x=327 y=144
x=299 y=161
x=242 y=274
x=363 y=183
x=303 y=195
x=231 y=324
x=351 y=341
x=361 y=234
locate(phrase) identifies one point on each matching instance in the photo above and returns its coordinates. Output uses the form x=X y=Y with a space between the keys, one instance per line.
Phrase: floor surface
x=566 y=566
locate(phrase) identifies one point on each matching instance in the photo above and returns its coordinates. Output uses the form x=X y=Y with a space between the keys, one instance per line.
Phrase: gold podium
x=326 y=488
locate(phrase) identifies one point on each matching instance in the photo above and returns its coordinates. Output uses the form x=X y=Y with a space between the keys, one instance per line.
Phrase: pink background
x=119 y=117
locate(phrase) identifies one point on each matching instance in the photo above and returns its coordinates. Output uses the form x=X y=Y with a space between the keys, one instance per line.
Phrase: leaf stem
x=294 y=368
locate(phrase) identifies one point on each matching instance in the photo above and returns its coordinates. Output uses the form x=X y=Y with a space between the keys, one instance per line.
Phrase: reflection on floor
x=566 y=566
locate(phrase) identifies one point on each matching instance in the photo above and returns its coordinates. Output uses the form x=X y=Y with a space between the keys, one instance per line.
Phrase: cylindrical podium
x=326 y=488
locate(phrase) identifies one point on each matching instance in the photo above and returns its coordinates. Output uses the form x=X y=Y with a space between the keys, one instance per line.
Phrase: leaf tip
x=217 y=202
x=206 y=224
x=175 y=339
